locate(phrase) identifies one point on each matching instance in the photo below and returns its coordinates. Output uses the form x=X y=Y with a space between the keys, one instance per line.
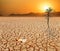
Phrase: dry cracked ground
x=29 y=34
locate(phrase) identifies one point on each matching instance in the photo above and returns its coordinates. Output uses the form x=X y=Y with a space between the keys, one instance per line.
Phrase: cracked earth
x=29 y=34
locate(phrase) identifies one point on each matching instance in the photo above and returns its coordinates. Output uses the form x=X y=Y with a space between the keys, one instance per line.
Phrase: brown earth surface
x=29 y=34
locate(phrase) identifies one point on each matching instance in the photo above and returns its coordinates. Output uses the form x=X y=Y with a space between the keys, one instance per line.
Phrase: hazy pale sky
x=26 y=6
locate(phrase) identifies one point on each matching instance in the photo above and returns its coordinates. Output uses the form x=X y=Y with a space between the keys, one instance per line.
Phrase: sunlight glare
x=44 y=7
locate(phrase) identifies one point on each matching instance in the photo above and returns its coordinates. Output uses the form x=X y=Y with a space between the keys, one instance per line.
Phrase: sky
x=25 y=6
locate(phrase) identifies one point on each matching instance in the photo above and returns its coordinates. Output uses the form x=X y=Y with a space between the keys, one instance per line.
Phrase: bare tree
x=48 y=11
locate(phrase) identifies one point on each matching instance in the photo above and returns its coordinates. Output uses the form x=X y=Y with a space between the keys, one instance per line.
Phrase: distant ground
x=29 y=34
x=52 y=14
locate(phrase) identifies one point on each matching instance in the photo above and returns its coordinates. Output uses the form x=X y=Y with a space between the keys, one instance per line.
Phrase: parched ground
x=29 y=34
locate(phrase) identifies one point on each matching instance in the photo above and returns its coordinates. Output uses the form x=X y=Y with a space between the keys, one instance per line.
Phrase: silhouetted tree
x=48 y=11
